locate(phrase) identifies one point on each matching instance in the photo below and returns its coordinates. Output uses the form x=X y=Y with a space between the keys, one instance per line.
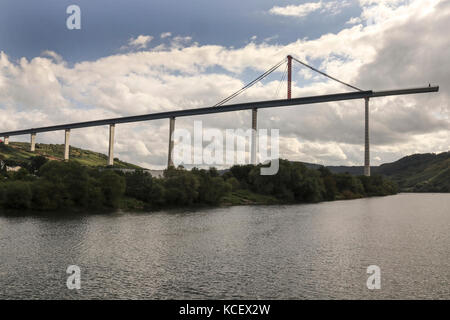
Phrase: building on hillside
x=13 y=169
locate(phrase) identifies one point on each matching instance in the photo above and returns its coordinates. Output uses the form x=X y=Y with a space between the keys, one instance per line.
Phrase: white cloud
x=56 y=57
x=354 y=20
x=165 y=35
x=303 y=10
x=140 y=42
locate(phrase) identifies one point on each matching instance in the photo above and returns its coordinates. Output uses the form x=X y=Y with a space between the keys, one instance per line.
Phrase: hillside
x=17 y=153
x=427 y=172
x=420 y=172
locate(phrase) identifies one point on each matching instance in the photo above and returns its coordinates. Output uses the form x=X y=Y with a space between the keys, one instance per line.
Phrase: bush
x=113 y=188
x=139 y=185
x=234 y=183
x=36 y=163
x=95 y=198
x=47 y=196
x=18 y=195
x=2 y=193
x=181 y=187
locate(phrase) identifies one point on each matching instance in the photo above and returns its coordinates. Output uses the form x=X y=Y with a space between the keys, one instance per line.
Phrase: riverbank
x=235 y=198
x=56 y=186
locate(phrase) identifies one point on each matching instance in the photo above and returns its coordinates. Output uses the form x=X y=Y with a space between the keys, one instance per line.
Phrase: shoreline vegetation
x=51 y=186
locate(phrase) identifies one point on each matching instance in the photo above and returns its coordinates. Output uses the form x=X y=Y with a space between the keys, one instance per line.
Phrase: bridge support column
x=6 y=141
x=366 y=144
x=171 y=143
x=33 y=142
x=66 y=145
x=111 y=144
x=254 y=149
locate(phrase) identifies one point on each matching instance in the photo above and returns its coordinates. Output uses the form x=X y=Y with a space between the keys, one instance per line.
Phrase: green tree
x=70 y=179
x=330 y=187
x=18 y=195
x=181 y=187
x=158 y=193
x=139 y=185
x=36 y=163
x=47 y=196
x=95 y=198
x=113 y=188
x=211 y=187
x=234 y=183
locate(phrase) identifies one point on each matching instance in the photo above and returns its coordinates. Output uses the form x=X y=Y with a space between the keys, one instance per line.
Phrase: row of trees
x=294 y=182
x=178 y=187
x=57 y=185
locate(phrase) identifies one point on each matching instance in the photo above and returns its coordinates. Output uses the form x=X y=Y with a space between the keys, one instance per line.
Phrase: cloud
x=165 y=35
x=406 y=47
x=354 y=20
x=140 y=42
x=56 y=57
x=303 y=10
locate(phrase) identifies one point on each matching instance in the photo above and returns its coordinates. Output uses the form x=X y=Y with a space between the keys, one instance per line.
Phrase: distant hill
x=353 y=170
x=18 y=153
x=420 y=172
x=427 y=172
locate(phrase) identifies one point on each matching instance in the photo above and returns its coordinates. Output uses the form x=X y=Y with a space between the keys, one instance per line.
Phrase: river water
x=314 y=251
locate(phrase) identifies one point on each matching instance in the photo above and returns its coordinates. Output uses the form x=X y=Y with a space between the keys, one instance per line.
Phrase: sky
x=143 y=56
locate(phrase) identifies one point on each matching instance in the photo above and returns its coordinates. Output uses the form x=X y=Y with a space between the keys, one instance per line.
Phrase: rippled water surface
x=318 y=251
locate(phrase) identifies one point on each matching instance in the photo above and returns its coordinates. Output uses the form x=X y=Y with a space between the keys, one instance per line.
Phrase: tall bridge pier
x=171 y=143
x=66 y=144
x=33 y=142
x=366 y=140
x=112 y=128
x=254 y=145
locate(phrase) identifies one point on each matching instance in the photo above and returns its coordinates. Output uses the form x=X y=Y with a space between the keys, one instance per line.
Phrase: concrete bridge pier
x=111 y=144
x=33 y=142
x=66 y=145
x=6 y=142
x=254 y=146
x=366 y=144
x=171 y=143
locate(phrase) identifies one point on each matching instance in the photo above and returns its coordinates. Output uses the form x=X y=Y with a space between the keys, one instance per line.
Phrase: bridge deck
x=225 y=108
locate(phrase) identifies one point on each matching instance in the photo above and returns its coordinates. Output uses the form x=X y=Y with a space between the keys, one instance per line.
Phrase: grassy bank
x=19 y=154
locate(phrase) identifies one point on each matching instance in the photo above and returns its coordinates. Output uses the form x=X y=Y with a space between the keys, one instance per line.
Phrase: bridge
x=221 y=107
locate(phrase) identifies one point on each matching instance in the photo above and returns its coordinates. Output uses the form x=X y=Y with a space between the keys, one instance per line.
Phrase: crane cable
x=265 y=74
x=282 y=81
x=326 y=75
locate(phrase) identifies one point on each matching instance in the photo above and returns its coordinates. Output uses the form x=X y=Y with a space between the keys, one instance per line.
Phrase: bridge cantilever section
x=222 y=109
x=212 y=110
x=195 y=112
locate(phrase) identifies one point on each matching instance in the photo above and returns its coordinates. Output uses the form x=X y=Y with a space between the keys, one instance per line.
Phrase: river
x=313 y=251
